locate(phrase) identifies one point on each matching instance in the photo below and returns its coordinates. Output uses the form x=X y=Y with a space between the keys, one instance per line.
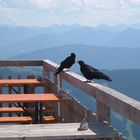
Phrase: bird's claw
x=67 y=69
x=89 y=81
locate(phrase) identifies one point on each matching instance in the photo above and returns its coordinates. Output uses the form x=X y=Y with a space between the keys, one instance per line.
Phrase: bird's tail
x=58 y=71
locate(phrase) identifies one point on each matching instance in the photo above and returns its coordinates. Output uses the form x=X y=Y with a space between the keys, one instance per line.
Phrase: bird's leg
x=89 y=81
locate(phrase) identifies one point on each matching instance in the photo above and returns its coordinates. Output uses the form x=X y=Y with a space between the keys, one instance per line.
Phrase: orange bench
x=28 y=119
x=29 y=98
x=11 y=109
x=51 y=119
x=23 y=119
x=20 y=109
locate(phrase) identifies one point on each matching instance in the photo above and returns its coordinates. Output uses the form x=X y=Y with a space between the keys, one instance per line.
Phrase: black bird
x=91 y=73
x=67 y=63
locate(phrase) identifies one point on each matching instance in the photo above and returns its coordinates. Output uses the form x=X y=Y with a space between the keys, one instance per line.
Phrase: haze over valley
x=102 y=46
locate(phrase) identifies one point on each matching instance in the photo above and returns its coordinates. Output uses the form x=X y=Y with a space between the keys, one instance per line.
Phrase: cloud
x=9 y=15
x=66 y=4
x=135 y=1
x=88 y=12
x=44 y=3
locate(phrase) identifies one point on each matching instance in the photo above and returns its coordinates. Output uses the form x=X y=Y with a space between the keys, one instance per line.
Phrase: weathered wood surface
x=73 y=110
x=54 y=131
x=121 y=103
x=21 y=63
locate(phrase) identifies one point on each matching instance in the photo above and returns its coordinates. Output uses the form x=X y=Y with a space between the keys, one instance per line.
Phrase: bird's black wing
x=87 y=71
x=90 y=68
x=97 y=74
x=65 y=61
x=101 y=75
x=63 y=64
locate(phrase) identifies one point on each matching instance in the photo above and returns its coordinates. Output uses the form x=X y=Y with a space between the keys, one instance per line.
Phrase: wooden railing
x=106 y=98
x=7 y=63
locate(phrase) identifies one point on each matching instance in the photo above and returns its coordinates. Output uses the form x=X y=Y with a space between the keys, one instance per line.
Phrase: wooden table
x=12 y=82
x=38 y=99
x=22 y=82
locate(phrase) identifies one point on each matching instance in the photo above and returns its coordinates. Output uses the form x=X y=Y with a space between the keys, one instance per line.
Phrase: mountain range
x=19 y=40
x=35 y=39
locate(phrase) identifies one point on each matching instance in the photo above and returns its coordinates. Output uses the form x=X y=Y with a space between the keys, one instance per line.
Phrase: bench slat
x=51 y=119
x=22 y=119
x=11 y=109
x=20 y=109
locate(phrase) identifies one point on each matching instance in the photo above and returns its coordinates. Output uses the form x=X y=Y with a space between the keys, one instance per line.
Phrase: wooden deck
x=55 y=131
x=72 y=111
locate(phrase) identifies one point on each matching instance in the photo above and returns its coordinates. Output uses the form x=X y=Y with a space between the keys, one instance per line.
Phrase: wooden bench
x=20 y=109
x=11 y=109
x=51 y=119
x=28 y=119
x=22 y=119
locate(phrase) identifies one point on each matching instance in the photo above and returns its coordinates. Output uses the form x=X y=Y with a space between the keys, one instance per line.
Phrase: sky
x=85 y=12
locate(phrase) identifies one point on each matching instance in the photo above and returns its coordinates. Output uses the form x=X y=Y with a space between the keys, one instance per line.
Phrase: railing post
x=102 y=112
x=57 y=84
x=47 y=87
x=45 y=74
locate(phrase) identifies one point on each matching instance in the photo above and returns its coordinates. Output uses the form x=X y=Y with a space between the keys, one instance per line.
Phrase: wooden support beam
x=57 y=85
x=48 y=84
x=102 y=112
x=7 y=63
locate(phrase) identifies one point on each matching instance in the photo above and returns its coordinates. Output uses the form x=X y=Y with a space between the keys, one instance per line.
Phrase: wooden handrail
x=7 y=63
x=109 y=98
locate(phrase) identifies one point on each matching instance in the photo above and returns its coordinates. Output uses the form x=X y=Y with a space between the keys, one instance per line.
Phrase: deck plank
x=54 y=131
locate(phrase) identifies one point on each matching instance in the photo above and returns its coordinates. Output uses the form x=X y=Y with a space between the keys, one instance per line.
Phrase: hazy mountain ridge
x=16 y=40
x=13 y=34
x=127 y=38
x=100 y=57
x=35 y=43
x=27 y=39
